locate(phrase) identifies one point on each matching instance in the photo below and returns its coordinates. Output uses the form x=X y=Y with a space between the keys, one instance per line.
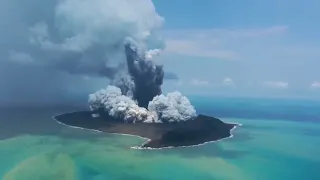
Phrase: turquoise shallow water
x=262 y=149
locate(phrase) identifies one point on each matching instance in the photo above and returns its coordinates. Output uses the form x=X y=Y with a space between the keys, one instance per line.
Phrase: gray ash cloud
x=146 y=76
x=135 y=95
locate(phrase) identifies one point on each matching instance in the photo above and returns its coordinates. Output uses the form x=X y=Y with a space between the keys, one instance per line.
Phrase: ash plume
x=136 y=96
x=146 y=76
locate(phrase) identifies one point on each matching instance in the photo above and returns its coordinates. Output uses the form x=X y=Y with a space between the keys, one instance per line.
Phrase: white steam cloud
x=171 y=108
x=149 y=55
x=83 y=23
x=135 y=93
x=86 y=36
x=114 y=39
x=117 y=105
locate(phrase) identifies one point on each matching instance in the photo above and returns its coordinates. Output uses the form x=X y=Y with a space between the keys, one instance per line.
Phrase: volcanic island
x=133 y=104
x=198 y=131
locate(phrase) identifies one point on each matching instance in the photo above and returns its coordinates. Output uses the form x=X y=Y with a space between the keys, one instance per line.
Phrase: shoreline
x=147 y=139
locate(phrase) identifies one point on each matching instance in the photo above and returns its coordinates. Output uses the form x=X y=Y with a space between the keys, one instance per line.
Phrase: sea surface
x=279 y=140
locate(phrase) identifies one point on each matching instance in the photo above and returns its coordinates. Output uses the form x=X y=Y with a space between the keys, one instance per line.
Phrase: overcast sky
x=222 y=48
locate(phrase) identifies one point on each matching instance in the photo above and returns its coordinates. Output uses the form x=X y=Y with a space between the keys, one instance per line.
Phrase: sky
x=247 y=48
x=244 y=48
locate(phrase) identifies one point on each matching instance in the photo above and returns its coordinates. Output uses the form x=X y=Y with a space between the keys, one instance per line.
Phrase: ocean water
x=278 y=139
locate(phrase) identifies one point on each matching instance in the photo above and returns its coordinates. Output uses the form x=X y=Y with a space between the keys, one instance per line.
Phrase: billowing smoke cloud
x=119 y=40
x=111 y=100
x=78 y=36
x=125 y=82
x=67 y=42
x=86 y=37
x=146 y=76
x=171 y=108
x=131 y=33
x=141 y=86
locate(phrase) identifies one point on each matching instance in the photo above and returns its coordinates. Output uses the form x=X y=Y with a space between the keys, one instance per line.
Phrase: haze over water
x=278 y=140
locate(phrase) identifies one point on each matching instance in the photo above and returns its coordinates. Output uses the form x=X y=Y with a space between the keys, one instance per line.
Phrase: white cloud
x=228 y=82
x=251 y=33
x=230 y=33
x=276 y=84
x=20 y=57
x=193 y=48
x=198 y=82
x=215 y=43
x=315 y=85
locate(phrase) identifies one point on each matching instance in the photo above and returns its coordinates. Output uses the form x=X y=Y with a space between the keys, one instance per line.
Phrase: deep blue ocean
x=279 y=139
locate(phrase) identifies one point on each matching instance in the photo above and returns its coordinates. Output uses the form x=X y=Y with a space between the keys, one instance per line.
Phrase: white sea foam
x=148 y=140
